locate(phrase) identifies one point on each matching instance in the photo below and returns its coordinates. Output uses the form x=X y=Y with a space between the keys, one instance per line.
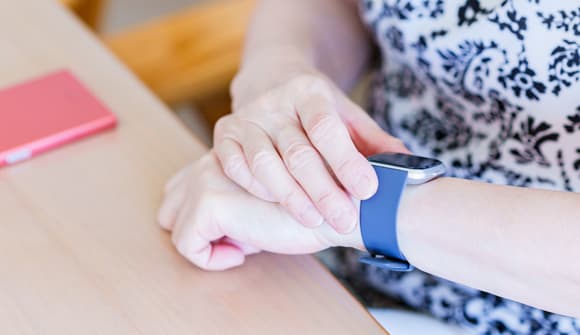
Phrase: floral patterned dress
x=491 y=88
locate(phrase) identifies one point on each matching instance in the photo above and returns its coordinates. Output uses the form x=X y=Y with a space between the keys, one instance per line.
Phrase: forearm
x=518 y=243
x=522 y=244
x=325 y=34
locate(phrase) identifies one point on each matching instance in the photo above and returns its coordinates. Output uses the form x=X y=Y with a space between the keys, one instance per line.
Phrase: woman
x=488 y=87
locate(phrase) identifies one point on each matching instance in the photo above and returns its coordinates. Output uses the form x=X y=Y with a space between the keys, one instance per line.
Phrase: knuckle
x=182 y=246
x=233 y=165
x=330 y=202
x=298 y=155
x=221 y=126
x=311 y=82
x=181 y=242
x=325 y=199
x=261 y=159
x=345 y=167
x=258 y=107
x=266 y=122
x=290 y=199
x=322 y=126
x=296 y=203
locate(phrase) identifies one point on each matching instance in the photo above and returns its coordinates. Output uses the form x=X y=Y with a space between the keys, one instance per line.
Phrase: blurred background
x=185 y=51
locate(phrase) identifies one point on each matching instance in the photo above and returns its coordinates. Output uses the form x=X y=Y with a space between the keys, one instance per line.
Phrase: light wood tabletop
x=80 y=251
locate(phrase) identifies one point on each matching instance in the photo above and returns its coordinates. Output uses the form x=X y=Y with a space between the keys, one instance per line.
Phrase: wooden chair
x=88 y=10
x=187 y=57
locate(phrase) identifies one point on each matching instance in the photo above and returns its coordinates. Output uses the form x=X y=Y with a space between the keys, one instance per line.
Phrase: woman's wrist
x=267 y=68
x=279 y=54
x=414 y=212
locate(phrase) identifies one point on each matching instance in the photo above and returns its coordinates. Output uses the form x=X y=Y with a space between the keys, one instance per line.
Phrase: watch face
x=405 y=161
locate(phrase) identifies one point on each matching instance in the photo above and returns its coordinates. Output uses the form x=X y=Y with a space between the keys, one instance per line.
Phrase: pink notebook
x=45 y=113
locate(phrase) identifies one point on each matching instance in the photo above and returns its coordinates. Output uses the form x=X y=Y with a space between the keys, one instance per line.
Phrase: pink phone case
x=45 y=113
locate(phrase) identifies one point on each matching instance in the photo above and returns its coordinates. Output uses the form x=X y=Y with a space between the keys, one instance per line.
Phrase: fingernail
x=363 y=187
x=344 y=221
x=311 y=217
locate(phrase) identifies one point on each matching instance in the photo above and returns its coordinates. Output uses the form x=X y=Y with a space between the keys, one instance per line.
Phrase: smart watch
x=378 y=214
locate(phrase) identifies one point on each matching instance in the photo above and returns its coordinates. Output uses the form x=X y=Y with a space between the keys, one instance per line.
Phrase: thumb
x=366 y=134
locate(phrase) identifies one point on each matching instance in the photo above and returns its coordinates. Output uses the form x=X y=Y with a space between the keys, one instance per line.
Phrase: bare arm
x=515 y=242
x=522 y=244
x=518 y=243
x=327 y=35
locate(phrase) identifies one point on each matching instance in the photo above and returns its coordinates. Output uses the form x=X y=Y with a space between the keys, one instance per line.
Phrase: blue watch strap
x=378 y=221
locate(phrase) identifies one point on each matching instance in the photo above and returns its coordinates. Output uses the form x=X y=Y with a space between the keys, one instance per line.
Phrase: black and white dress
x=491 y=88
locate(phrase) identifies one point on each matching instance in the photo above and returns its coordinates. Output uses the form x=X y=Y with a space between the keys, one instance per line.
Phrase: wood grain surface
x=80 y=252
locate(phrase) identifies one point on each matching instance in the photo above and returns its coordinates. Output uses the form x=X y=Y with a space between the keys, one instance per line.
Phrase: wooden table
x=80 y=252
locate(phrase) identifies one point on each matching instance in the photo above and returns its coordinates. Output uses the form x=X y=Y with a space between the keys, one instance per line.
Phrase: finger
x=246 y=248
x=222 y=256
x=331 y=138
x=215 y=256
x=267 y=166
x=234 y=165
x=309 y=170
x=169 y=209
x=201 y=242
x=367 y=136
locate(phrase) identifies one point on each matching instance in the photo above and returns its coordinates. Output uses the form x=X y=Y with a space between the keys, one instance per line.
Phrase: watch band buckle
x=387 y=263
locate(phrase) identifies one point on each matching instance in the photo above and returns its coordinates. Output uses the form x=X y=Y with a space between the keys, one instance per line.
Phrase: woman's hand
x=296 y=139
x=215 y=224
